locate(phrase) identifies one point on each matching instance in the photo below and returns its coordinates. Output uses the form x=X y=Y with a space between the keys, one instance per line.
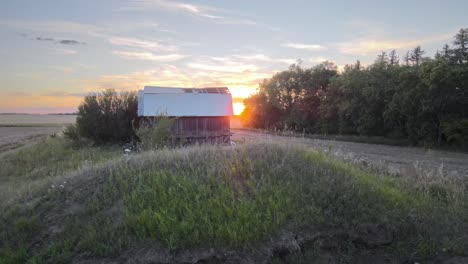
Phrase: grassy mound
x=232 y=198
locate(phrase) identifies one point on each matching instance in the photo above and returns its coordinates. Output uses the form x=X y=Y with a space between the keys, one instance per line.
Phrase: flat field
x=16 y=129
x=38 y=120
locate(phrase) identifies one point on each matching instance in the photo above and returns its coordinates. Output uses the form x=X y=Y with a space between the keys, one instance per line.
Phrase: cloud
x=53 y=27
x=197 y=10
x=264 y=58
x=149 y=56
x=228 y=67
x=141 y=44
x=317 y=59
x=303 y=46
x=70 y=42
x=103 y=31
x=45 y=39
x=216 y=15
x=64 y=94
x=61 y=41
x=372 y=37
x=373 y=44
x=240 y=83
x=66 y=51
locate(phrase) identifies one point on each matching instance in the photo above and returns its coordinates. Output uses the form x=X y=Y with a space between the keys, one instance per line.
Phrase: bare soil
x=394 y=159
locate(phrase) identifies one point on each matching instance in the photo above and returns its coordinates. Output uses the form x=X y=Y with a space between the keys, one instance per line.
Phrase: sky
x=53 y=52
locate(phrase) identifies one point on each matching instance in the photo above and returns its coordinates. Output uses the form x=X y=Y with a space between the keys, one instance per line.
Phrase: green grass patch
x=223 y=197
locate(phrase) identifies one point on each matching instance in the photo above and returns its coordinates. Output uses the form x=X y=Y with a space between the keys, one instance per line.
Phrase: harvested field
x=394 y=159
x=13 y=135
x=37 y=120
x=16 y=129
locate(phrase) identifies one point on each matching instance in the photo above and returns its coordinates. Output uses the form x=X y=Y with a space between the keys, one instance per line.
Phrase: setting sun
x=238 y=108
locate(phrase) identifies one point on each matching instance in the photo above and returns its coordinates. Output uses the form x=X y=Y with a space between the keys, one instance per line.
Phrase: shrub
x=156 y=133
x=457 y=132
x=107 y=116
x=71 y=132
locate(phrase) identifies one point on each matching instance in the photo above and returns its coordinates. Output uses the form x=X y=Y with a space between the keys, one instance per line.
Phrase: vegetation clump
x=155 y=133
x=105 y=117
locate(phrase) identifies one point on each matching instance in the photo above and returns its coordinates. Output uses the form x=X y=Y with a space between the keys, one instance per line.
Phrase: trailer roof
x=175 y=101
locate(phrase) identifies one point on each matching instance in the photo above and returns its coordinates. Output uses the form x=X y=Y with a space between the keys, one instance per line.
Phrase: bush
x=107 y=117
x=457 y=132
x=156 y=133
x=71 y=132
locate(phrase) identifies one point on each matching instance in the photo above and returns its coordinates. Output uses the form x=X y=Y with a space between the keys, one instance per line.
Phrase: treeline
x=421 y=99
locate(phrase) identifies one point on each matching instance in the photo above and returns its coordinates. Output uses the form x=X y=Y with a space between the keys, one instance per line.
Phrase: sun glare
x=238 y=108
x=242 y=92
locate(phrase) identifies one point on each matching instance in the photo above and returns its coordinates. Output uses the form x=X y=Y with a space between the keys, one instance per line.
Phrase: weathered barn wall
x=197 y=129
x=201 y=126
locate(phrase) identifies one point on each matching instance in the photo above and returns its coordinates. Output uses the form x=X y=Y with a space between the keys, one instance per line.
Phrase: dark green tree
x=461 y=46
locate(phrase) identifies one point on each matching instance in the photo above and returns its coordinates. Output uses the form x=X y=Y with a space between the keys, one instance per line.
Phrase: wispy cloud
x=317 y=59
x=213 y=14
x=149 y=56
x=64 y=94
x=61 y=41
x=372 y=45
x=265 y=58
x=45 y=39
x=197 y=10
x=303 y=46
x=228 y=67
x=61 y=27
x=241 y=83
x=53 y=26
x=372 y=37
x=236 y=63
x=70 y=42
x=66 y=51
x=152 y=45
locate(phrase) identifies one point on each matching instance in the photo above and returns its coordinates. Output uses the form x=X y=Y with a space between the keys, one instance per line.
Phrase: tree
x=382 y=58
x=393 y=58
x=357 y=65
x=461 y=45
x=107 y=116
x=406 y=58
x=416 y=55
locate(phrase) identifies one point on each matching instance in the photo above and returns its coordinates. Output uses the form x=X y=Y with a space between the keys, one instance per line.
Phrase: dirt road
x=392 y=158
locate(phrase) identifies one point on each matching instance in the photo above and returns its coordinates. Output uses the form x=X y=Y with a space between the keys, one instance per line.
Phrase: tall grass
x=36 y=164
x=226 y=197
